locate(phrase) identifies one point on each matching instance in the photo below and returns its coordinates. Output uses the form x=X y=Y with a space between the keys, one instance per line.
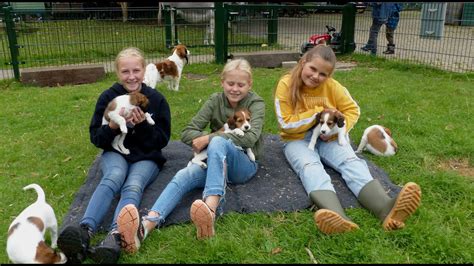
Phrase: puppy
x=26 y=243
x=168 y=70
x=329 y=122
x=128 y=102
x=237 y=124
x=378 y=140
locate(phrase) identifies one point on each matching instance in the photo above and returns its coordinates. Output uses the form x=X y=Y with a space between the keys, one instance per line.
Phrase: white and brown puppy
x=119 y=109
x=378 y=140
x=237 y=124
x=26 y=243
x=169 y=70
x=329 y=122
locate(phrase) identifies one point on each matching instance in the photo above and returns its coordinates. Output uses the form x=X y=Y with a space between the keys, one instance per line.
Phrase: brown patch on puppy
x=13 y=228
x=46 y=255
x=111 y=106
x=379 y=145
x=181 y=51
x=167 y=67
x=36 y=221
x=138 y=99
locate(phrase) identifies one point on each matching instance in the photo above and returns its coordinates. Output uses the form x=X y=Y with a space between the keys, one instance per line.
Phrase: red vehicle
x=331 y=38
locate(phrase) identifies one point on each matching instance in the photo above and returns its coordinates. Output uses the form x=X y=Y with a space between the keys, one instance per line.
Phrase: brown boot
x=330 y=217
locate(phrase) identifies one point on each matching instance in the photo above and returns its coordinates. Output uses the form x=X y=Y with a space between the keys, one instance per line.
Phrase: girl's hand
x=200 y=143
x=136 y=117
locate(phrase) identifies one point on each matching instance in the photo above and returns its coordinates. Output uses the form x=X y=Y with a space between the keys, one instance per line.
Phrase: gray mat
x=275 y=187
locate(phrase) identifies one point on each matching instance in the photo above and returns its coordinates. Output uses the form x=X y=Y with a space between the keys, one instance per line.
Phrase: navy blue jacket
x=143 y=140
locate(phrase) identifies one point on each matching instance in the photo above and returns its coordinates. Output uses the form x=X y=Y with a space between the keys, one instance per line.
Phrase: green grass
x=45 y=140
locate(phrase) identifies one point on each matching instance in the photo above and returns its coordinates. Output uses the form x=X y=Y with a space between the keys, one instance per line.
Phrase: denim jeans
x=307 y=164
x=118 y=175
x=225 y=163
x=374 y=32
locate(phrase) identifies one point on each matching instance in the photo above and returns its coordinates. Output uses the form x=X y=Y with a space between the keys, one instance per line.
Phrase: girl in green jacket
x=227 y=160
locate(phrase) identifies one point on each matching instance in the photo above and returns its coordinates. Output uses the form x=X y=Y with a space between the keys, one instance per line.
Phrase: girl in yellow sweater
x=299 y=96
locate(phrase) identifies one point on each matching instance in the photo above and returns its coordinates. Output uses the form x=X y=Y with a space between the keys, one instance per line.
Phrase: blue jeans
x=225 y=163
x=118 y=175
x=307 y=164
x=374 y=32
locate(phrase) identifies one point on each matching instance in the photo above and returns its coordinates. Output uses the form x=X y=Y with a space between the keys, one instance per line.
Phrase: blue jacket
x=383 y=11
x=143 y=140
x=392 y=21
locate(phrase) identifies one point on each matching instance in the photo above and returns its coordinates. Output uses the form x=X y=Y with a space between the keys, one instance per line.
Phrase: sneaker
x=74 y=242
x=108 y=251
x=203 y=218
x=130 y=226
x=388 y=51
x=366 y=48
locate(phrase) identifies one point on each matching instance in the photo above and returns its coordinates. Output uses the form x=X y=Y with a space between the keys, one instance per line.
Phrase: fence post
x=12 y=42
x=348 y=28
x=273 y=26
x=168 y=31
x=220 y=33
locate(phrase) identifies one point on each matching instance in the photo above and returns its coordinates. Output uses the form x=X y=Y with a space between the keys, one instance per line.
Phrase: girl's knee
x=217 y=141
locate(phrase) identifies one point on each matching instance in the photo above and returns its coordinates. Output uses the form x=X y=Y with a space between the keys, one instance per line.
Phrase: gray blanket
x=274 y=188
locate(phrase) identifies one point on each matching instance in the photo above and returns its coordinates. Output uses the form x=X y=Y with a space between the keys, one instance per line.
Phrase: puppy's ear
x=340 y=119
x=231 y=122
x=387 y=131
x=318 y=117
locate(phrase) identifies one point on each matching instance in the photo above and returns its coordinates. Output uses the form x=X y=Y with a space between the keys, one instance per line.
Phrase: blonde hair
x=237 y=64
x=130 y=52
x=296 y=83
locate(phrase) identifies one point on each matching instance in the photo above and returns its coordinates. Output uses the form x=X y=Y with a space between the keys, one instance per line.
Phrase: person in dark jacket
x=381 y=14
x=127 y=175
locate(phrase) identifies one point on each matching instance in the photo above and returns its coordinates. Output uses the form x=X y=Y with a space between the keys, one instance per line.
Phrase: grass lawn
x=45 y=140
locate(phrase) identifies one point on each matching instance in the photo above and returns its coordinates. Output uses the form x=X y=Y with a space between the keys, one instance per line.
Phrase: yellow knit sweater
x=331 y=94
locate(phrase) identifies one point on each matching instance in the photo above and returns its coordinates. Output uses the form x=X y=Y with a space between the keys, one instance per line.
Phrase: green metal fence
x=78 y=35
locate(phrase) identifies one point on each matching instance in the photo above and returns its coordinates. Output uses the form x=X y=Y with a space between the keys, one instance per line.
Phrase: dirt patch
x=461 y=166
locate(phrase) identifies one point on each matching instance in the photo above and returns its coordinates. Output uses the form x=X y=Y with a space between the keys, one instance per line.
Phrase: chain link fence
x=75 y=34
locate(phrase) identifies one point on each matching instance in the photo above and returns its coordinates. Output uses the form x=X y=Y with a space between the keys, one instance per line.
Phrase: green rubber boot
x=392 y=212
x=330 y=217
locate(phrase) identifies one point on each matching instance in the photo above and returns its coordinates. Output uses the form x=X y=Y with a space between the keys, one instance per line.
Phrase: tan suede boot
x=392 y=212
x=330 y=217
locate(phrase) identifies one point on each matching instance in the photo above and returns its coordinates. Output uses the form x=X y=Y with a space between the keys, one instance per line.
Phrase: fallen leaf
x=276 y=251
x=449 y=127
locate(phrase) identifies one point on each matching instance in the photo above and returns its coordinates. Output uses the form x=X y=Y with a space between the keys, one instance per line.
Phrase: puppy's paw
x=342 y=142
x=251 y=157
x=238 y=132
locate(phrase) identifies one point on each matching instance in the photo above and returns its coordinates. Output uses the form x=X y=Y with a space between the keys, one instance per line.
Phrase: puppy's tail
x=39 y=191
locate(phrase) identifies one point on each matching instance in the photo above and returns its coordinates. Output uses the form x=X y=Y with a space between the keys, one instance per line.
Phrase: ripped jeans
x=225 y=163
x=307 y=164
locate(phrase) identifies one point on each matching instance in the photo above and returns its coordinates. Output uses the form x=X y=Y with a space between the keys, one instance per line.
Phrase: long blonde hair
x=237 y=64
x=296 y=83
x=130 y=51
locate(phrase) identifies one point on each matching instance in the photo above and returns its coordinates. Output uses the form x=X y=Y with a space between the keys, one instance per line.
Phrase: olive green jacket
x=215 y=112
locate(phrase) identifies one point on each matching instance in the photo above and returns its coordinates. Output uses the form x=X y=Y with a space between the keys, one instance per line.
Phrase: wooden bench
x=64 y=75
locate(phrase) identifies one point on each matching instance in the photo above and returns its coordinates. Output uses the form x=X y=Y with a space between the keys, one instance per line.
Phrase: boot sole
x=329 y=222
x=127 y=224
x=407 y=202
x=69 y=242
x=203 y=219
